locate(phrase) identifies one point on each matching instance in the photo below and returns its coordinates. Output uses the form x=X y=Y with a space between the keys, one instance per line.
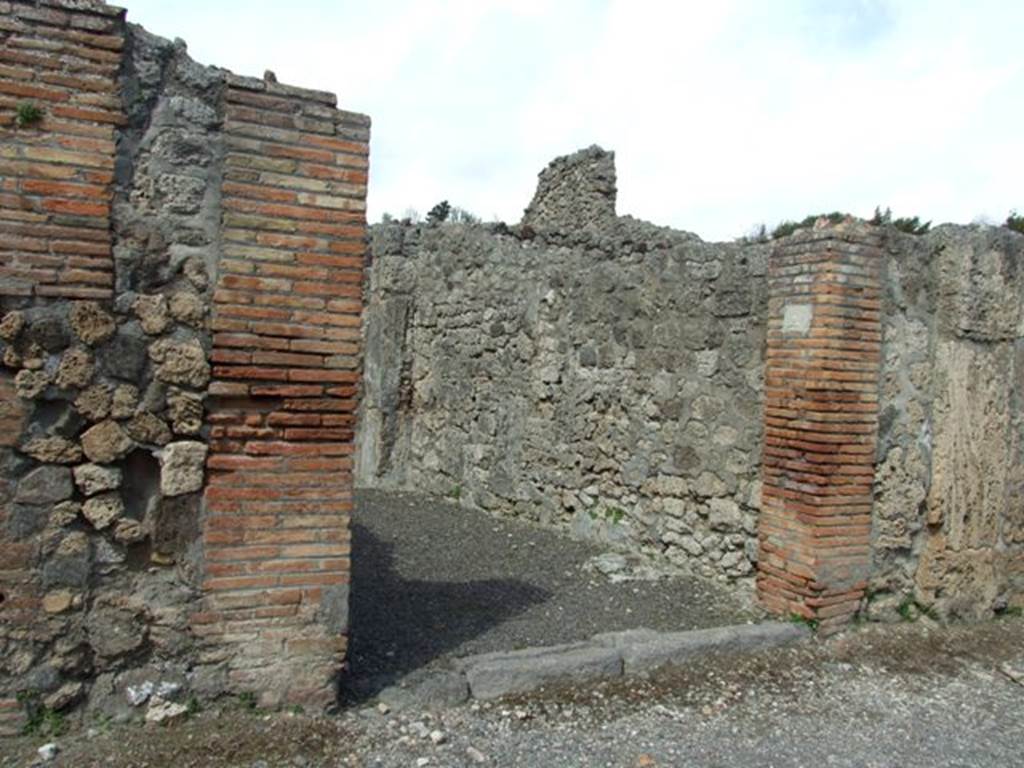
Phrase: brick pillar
x=285 y=369
x=59 y=103
x=58 y=60
x=821 y=417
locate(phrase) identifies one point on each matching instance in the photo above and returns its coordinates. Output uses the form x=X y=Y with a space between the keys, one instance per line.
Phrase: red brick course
x=56 y=197
x=820 y=424
x=279 y=496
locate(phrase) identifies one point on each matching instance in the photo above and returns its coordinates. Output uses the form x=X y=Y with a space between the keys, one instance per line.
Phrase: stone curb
x=644 y=650
x=492 y=675
x=605 y=656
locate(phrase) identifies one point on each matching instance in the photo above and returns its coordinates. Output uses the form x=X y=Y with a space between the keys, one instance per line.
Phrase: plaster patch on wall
x=796 y=318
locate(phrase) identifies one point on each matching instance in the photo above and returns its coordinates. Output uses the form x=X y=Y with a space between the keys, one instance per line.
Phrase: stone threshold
x=604 y=656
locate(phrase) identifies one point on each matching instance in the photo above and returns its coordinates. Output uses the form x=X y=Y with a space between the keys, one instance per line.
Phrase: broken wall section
x=602 y=375
x=581 y=370
x=110 y=549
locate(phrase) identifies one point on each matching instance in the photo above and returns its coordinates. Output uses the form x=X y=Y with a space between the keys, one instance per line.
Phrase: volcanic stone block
x=181 y=467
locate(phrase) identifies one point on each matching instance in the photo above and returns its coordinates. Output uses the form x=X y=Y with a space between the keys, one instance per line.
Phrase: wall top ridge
x=274 y=88
x=85 y=6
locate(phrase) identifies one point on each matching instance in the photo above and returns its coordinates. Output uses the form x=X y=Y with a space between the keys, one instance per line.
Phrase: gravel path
x=433 y=581
x=911 y=696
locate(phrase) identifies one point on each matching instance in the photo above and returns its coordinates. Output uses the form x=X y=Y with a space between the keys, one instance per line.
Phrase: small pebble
x=48 y=751
x=420 y=729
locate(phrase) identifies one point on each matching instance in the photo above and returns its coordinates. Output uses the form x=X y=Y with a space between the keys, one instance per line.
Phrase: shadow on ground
x=432 y=581
x=401 y=625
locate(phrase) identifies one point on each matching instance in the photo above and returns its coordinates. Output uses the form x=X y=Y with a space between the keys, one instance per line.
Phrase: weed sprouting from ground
x=811 y=624
x=41 y=721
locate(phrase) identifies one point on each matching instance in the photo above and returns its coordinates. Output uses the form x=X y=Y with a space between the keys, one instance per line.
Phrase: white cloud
x=722 y=114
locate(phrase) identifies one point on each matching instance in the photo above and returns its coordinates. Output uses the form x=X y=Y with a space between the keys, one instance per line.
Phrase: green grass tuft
x=42 y=721
x=27 y=114
x=812 y=624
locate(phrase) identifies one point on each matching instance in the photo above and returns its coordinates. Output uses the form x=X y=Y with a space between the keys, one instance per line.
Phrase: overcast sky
x=722 y=114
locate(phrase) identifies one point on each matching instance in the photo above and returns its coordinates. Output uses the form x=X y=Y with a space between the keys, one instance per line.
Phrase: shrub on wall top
x=912 y=225
x=787 y=228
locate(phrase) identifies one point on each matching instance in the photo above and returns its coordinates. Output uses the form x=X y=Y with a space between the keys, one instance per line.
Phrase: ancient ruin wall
x=180 y=263
x=949 y=504
x=606 y=376
x=180 y=269
x=582 y=370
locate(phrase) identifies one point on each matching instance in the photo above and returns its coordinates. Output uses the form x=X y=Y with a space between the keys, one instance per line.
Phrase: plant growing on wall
x=611 y=514
x=446 y=212
x=787 y=228
x=912 y=225
x=1015 y=221
x=27 y=114
x=439 y=213
x=462 y=216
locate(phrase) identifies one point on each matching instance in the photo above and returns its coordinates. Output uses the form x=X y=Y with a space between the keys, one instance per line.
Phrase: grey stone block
x=47 y=484
x=644 y=650
x=496 y=674
x=438 y=691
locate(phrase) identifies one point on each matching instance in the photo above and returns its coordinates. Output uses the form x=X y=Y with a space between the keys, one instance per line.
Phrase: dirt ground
x=433 y=581
x=900 y=695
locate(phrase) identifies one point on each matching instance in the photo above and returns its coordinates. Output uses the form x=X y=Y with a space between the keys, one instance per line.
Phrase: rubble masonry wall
x=180 y=268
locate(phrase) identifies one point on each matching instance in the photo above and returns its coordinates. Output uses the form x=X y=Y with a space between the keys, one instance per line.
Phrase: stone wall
x=181 y=288
x=949 y=507
x=58 y=174
x=581 y=370
x=180 y=277
x=606 y=376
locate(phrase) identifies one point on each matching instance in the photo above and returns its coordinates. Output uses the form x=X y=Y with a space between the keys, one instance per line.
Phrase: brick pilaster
x=59 y=62
x=286 y=350
x=56 y=175
x=821 y=414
